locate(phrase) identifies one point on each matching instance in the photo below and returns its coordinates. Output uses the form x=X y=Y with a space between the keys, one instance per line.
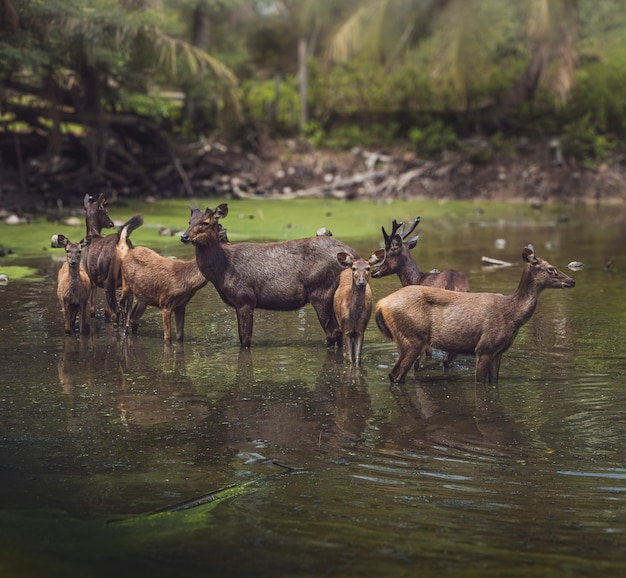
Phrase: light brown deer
x=73 y=287
x=483 y=324
x=353 y=304
x=281 y=276
x=157 y=281
x=395 y=258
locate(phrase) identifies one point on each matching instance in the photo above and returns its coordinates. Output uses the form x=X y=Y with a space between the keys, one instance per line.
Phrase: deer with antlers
x=395 y=258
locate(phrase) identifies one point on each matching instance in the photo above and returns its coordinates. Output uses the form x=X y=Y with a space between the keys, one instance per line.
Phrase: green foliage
x=433 y=137
x=153 y=105
x=275 y=102
x=582 y=141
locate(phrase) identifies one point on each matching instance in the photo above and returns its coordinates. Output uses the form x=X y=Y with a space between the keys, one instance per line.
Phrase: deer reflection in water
x=443 y=415
x=108 y=379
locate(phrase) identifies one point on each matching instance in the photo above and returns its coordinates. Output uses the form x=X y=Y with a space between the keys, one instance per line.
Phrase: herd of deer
x=430 y=310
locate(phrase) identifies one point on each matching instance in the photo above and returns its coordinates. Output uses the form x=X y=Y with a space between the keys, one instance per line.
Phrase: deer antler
x=395 y=226
x=404 y=234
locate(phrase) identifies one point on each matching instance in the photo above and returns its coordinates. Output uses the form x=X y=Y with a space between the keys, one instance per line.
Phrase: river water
x=119 y=456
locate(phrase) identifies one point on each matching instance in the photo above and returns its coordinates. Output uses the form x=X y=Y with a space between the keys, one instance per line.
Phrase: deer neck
x=525 y=299
x=408 y=272
x=74 y=272
x=358 y=295
x=93 y=228
x=211 y=258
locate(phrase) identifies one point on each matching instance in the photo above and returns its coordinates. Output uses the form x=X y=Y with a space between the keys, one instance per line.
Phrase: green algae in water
x=20 y=273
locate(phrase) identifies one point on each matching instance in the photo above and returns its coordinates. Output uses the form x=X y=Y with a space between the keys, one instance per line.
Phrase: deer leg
x=358 y=348
x=484 y=363
x=408 y=354
x=126 y=306
x=245 y=319
x=448 y=359
x=323 y=307
x=92 y=301
x=179 y=316
x=83 y=322
x=349 y=347
x=67 y=321
x=111 y=309
x=134 y=315
x=494 y=368
x=166 y=314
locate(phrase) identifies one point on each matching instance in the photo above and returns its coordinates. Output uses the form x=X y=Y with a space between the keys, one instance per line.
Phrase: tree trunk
x=303 y=78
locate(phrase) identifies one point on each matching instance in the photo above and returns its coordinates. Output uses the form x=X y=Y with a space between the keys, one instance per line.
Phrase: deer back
x=160 y=281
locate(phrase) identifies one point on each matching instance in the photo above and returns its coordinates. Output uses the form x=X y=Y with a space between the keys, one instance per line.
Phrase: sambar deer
x=100 y=258
x=281 y=276
x=74 y=290
x=353 y=304
x=154 y=280
x=483 y=324
x=395 y=258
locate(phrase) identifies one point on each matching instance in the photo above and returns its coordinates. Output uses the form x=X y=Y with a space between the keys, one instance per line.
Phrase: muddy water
x=302 y=466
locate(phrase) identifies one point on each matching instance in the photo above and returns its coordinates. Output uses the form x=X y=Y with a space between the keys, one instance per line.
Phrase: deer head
x=388 y=260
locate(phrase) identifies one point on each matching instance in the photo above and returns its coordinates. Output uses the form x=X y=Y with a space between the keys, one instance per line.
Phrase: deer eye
x=552 y=270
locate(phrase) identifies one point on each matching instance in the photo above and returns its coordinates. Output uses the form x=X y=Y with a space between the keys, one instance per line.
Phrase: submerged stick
x=216 y=495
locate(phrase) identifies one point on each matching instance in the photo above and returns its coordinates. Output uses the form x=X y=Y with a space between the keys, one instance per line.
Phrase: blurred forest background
x=324 y=97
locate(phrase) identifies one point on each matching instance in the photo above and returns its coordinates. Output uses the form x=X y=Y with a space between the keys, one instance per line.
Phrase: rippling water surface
x=120 y=456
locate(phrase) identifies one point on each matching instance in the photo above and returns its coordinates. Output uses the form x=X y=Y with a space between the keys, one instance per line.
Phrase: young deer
x=395 y=258
x=282 y=276
x=100 y=258
x=154 y=280
x=483 y=324
x=73 y=287
x=353 y=304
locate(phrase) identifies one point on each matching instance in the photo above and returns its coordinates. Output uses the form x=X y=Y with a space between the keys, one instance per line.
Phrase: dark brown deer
x=74 y=290
x=483 y=324
x=100 y=258
x=157 y=281
x=395 y=258
x=353 y=304
x=281 y=276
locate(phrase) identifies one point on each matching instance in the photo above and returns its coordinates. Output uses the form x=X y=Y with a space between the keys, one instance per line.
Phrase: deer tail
x=382 y=325
x=125 y=230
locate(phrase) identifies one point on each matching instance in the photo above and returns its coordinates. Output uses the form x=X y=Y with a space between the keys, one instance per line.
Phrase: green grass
x=258 y=220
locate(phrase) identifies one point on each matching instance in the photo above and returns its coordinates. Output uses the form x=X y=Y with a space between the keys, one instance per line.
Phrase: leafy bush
x=582 y=141
x=434 y=137
x=271 y=102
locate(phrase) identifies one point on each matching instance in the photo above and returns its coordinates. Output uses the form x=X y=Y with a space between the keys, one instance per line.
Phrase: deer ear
x=378 y=257
x=88 y=199
x=101 y=199
x=221 y=211
x=528 y=254
x=85 y=242
x=61 y=241
x=344 y=259
x=413 y=242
